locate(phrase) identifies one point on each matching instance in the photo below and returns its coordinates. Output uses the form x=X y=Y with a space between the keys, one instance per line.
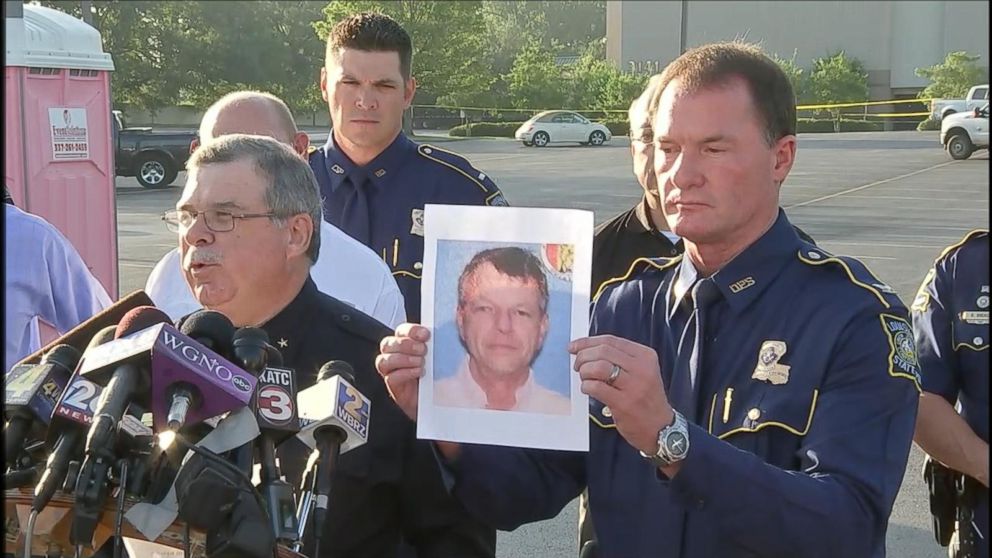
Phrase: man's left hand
x=637 y=395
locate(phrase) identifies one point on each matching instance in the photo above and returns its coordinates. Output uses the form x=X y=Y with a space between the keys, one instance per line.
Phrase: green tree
x=953 y=77
x=838 y=78
x=535 y=81
x=797 y=76
x=448 y=43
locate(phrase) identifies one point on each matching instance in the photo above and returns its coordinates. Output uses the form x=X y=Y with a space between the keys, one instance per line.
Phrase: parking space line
x=869 y=185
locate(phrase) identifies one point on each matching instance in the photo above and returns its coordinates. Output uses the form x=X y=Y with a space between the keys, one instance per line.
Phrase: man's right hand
x=401 y=364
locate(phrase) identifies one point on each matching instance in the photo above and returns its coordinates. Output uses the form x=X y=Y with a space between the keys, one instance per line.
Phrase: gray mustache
x=203 y=257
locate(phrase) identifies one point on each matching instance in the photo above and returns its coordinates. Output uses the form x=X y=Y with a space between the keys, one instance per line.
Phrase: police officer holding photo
x=951 y=321
x=756 y=397
x=248 y=234
x=375 y=180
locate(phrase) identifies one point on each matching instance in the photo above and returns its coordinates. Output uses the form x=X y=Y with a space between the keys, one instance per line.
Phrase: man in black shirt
x=641 y=231
x=247 y=223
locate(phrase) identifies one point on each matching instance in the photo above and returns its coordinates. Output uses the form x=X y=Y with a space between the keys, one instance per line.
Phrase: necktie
x=685 y=377
x=349 y=207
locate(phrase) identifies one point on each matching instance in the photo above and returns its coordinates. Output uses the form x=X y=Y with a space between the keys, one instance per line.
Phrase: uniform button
x=700 y=504
x=977 y=340
x=345 y=318
x=428 y=150
x=813 y=255
x=418 y=265
x=607 y=412
x=754 y=414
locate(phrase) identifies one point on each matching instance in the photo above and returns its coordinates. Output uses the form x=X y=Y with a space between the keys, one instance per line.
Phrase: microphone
x=346 y=428
x=31 y=393
x=72 y=415
x=214 y=331
x=128 y=379
x=79 y=337
x=275 y=406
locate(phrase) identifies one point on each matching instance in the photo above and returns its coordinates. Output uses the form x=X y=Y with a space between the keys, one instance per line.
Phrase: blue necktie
x=684 y=390
x=349 y=207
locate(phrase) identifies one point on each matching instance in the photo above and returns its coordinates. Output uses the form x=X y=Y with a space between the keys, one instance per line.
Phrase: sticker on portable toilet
x=70 y=136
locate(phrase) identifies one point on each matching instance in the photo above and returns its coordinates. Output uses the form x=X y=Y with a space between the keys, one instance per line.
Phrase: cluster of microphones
x=183 y=421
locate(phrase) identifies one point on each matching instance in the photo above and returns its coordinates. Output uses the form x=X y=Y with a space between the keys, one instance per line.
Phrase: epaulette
x=638 y=267
x=458 y=164
x=975 y=234
x=357 y=322
x=854 y=269
x=311 y=149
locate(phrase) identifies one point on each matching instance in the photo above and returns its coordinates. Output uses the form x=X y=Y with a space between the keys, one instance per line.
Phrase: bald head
x=252 y=112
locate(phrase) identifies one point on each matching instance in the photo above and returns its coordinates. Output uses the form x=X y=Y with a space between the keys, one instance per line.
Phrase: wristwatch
x=673 y=443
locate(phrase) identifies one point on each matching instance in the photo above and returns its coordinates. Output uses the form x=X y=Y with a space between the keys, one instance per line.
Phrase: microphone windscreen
x=80 y=335
x=213 y=329
x=105 y=335
x=333 y=368
x=137 y=319
x=273 y=356
x=65 y=356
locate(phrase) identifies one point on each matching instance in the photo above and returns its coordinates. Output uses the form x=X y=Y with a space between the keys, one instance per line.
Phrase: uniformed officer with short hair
x=755 y=397
x=247 y=254
x=375 y=180
x=951 y=321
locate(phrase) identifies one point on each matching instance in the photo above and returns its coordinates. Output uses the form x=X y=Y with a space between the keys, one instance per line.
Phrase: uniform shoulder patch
x=855 y=271
x=460 y=165
x=903 y=361
x=638 y=267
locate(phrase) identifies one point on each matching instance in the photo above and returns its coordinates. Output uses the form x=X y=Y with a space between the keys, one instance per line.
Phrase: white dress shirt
x=46 y=281
x=461 y=390
x=345 y=269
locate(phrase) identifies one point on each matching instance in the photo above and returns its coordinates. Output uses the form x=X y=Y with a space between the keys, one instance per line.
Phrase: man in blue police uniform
x=756 y=397
x=951 y=321
x=374 y=180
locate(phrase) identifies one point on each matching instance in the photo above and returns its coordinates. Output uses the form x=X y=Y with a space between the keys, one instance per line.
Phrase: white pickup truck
x=977 y=96
x=964 y=133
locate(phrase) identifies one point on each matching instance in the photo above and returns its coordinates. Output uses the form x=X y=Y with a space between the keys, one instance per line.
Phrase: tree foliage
x=838 y=78
x=796 y=74
x=953 y=77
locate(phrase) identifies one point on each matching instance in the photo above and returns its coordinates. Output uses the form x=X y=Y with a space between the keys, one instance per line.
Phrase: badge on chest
x=768 y=368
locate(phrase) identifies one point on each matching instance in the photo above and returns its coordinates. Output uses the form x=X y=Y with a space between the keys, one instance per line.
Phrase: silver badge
x=983 y=301
x=768 y=369
x=417 y=217
x=337 y=169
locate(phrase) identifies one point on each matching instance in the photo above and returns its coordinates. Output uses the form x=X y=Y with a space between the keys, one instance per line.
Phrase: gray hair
x=292 y=187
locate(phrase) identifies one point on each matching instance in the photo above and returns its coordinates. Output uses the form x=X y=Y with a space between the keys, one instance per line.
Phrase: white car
x=561 y=126
x=963 y=133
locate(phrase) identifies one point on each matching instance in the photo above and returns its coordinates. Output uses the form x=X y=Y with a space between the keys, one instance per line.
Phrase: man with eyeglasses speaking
x=346 y=269
x=248 y=222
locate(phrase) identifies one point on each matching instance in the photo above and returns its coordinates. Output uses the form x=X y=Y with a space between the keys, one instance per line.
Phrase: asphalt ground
x=892 y=199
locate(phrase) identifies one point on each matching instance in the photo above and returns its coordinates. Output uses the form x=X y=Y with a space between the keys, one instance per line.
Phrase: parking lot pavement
x=893 y=199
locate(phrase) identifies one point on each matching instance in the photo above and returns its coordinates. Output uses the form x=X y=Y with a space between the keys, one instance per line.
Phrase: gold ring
x=614 y=374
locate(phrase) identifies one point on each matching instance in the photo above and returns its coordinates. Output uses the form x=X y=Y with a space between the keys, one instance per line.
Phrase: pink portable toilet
x=57 y=126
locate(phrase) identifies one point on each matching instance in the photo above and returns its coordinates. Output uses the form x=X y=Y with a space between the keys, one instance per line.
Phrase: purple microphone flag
x=175 y=358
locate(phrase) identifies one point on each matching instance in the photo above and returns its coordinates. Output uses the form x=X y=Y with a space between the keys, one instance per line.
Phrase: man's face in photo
x=501 y=320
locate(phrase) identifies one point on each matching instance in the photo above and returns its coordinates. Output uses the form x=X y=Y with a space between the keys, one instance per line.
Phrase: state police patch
x=903 y=359
x=497 y=200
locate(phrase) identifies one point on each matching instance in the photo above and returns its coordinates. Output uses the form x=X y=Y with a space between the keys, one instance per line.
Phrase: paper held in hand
x=504 y=291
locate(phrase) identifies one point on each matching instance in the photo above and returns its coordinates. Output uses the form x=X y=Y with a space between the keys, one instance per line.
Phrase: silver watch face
x=677 y=445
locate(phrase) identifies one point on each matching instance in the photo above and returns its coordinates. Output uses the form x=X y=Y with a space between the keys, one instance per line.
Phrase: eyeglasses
x=179 y=220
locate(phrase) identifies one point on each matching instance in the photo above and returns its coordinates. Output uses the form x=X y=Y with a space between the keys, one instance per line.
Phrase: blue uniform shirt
x=46 y=280
x=951 y=321
x=808 y=465
x=397 y=184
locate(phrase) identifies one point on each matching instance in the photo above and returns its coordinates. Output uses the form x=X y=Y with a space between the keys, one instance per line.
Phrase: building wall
x=891 y=38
